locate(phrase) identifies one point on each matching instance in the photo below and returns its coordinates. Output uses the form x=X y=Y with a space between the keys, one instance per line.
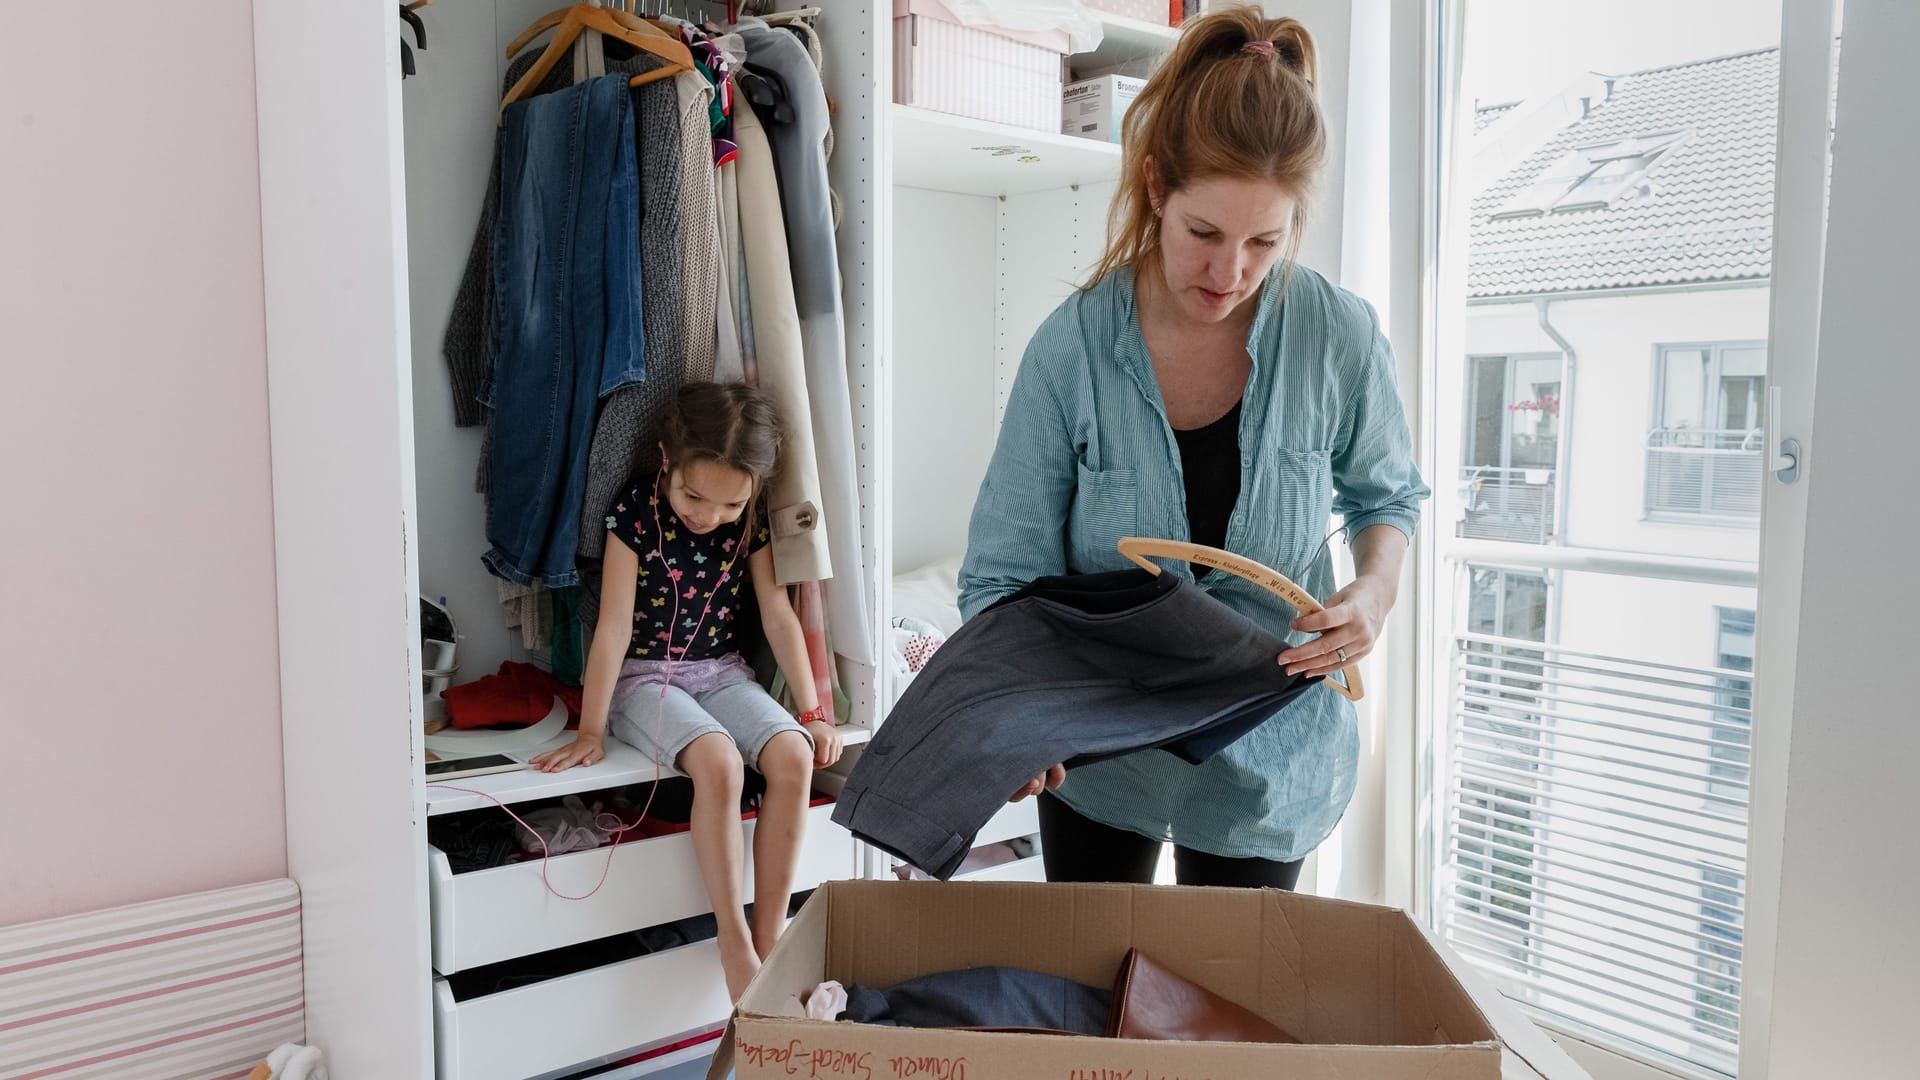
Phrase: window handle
x=1786 y=460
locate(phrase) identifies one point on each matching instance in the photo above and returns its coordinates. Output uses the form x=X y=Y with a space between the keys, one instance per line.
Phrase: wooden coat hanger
x=567 y=25
x=1142 y=550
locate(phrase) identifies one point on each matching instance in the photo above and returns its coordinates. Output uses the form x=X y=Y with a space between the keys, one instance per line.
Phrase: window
x=1493 y=842
x=1588 y=817
x=1508 y=603
x=1512 y=447
x=1593 y=176
x=1732 y=733
x=1705 y=449
x=1716 y=1011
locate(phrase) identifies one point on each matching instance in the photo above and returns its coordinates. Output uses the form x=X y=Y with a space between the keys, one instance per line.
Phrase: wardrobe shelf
x=623 y=765
x=1125 y=39
x=941 y=152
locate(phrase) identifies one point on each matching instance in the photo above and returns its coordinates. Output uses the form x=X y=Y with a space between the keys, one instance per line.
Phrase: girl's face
x=706 y=494
x=1218 y=238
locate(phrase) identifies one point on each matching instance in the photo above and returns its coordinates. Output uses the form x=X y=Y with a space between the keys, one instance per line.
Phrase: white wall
x=944 y=330
x=1611 y=403
x=449 y=119
x=1664 y=622
x=140 y=733
x=1848 y=945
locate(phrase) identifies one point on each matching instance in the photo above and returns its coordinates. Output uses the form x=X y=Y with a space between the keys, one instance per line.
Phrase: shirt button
x=1246 y=463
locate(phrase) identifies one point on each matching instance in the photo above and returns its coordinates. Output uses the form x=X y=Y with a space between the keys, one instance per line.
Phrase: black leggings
x=1077 y=848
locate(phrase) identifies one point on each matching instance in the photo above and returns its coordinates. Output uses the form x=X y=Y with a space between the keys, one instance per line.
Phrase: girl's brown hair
x=730 y=424
x=1234 y=98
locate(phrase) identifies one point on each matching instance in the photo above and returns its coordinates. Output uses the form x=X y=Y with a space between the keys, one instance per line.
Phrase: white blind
x=1594 y=839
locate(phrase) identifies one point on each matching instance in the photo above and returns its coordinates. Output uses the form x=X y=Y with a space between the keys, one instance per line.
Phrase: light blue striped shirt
x=1086 y=456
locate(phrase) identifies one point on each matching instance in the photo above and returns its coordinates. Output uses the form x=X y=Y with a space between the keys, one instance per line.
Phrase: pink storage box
x=1156 y=12
x=1003 y=76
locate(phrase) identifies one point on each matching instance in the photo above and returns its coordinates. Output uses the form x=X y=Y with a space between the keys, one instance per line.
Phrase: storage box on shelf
x=1147 y=11
x=987 y=73
x=1095 y=108
x=1127 y=47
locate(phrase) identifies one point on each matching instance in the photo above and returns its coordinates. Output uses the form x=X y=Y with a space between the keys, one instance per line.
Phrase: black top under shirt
x=685 y=569
x=1210 y=467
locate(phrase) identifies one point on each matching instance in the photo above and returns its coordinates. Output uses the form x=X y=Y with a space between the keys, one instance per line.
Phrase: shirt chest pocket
x=1106 y=509
x=1300 y=500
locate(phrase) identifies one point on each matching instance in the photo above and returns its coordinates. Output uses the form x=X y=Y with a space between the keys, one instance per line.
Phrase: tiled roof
x=1487 y=114
x=1708 y=215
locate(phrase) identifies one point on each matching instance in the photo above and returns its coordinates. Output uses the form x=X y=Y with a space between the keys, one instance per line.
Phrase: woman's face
x=1218 y=239
x=706 y=494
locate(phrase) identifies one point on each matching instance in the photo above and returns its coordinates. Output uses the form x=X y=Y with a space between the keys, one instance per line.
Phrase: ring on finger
x=1341 y=653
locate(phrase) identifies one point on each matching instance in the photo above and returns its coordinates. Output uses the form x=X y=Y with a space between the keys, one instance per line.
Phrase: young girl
x=665 y=672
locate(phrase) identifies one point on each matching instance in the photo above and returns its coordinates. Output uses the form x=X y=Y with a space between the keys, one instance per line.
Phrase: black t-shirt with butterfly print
x=681 y=567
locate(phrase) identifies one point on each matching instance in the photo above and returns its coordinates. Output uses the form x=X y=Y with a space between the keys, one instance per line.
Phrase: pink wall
x=139 y=709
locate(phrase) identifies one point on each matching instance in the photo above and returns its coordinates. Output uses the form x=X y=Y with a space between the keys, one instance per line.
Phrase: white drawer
x=549 y=1026
x=1014 y=819
x=1031 y=868
x=505 y=912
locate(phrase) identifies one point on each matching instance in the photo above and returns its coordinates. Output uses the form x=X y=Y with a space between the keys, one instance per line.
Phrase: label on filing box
x=1094 y=108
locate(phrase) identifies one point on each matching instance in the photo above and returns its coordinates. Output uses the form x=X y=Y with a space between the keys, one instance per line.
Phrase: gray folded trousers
x=1069 y=670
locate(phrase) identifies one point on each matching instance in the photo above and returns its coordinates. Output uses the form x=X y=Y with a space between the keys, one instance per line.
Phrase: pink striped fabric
x=198 y=987
x=811 y=607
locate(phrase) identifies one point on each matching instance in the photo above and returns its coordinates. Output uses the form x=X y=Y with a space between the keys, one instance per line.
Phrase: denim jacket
x=1085 y=457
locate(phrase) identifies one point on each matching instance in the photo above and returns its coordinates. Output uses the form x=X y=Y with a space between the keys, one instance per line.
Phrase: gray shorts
x=705 y=697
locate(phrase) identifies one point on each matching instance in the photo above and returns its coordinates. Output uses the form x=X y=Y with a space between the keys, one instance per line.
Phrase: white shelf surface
x=623 y=765
x=941 y=152
x=1125 y=39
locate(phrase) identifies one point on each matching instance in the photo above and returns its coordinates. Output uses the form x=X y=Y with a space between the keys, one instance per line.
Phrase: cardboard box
x=1094 y=108
x=1364 y=983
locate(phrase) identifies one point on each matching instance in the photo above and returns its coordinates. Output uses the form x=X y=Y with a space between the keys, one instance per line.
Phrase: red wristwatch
x=812 y=716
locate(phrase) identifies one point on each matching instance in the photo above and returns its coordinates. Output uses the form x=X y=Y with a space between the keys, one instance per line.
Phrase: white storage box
x=1157 y=12
x=1094 y=108
x=998 y=75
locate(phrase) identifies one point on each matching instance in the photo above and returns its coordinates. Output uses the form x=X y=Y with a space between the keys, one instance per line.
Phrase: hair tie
x=1258 y=48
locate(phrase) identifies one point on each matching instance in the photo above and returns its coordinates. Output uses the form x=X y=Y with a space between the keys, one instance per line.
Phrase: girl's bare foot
x=740 y=962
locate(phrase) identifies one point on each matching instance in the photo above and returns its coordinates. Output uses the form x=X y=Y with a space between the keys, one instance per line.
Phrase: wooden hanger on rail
x=1143 y=550
x=568 y=23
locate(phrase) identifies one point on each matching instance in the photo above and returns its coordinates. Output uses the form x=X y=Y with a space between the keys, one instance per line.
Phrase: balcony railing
x=1507 y=504
x=1704 y=473
x=1595 y=834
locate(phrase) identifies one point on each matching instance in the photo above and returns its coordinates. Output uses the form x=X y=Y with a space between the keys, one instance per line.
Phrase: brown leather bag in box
x=1150 y=1002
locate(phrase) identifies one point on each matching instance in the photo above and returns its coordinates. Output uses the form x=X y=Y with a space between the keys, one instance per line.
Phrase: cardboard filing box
x=1364 y=983
x=1094 y=108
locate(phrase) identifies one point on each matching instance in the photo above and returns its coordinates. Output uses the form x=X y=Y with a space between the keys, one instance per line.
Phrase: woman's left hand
x=1350 y=624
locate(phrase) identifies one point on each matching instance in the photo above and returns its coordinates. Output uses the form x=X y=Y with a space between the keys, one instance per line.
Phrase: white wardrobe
x=958 y=237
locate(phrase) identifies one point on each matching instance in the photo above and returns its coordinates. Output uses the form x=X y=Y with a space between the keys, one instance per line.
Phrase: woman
x=1202 y=386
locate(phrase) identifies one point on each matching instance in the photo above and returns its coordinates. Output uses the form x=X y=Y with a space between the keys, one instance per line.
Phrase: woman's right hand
x=583 y=750
x=1046 y=781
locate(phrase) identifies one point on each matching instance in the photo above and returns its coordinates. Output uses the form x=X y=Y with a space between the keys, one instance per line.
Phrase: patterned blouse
x=683 y=574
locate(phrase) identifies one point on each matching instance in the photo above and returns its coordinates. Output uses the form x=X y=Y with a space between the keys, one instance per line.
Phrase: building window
x=1592 y=177
x=1731 y=752
x=1508 y=603
x=1512 y=446
x=1705 y=448
x=1495 y=837
x=1716 y=1010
